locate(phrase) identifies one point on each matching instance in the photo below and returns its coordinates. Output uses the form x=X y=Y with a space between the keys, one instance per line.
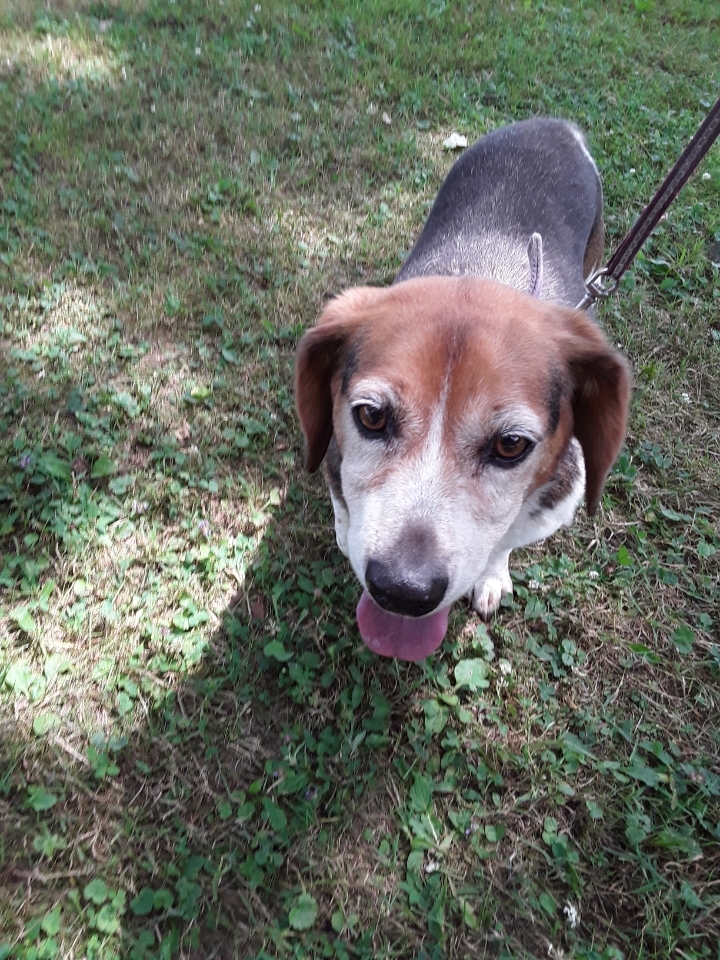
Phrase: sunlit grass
x=62 y=59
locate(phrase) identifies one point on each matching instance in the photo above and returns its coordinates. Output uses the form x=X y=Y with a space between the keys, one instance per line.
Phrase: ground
x=198 y=757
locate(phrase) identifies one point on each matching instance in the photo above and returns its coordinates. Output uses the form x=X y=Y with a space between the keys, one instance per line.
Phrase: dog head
x=451 y=400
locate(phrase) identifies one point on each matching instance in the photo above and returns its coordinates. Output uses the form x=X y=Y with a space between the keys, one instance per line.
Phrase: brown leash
x=605 y=281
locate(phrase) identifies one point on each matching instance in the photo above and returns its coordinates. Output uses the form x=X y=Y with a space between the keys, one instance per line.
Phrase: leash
x=604 y=282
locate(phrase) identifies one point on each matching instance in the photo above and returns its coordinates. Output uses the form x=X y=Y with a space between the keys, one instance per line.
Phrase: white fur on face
x=431 y=477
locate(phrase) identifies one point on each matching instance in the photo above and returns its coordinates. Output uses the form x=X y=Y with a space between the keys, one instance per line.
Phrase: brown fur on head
x=549 y=357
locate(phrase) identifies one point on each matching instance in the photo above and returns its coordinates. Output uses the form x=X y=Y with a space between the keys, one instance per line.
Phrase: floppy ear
x=319 y=354
x=600 y=401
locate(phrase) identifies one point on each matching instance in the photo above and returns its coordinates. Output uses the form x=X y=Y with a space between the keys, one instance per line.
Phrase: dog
x=464 y=410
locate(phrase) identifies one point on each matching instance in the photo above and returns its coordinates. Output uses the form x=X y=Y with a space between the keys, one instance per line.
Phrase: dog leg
x=550 y=507
x=493 y=586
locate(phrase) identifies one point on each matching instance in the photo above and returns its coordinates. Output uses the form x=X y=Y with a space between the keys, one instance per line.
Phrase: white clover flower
x=456 y=141
x=573 y=915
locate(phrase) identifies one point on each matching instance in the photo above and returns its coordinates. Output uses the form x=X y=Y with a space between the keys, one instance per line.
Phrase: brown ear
x=319 y=354
x=600 y=400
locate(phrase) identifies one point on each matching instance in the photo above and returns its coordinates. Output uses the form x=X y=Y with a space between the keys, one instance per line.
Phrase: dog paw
x=488 y=593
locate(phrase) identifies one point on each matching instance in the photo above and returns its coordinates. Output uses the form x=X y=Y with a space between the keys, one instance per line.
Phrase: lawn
x=198 y=756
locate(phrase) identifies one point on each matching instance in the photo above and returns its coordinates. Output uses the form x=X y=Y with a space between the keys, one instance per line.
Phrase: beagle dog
x=464 y=410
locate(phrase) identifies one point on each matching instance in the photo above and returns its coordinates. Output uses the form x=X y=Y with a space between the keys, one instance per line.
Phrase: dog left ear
x=319 y=354
x=600 y=401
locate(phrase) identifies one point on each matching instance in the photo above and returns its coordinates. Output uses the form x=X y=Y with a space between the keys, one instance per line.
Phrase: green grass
x=198 y=757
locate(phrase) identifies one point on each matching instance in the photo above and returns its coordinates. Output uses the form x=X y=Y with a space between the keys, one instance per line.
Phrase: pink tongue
x=407 y=638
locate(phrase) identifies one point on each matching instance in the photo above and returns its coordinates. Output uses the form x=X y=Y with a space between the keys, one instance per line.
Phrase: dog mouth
x=393 y=635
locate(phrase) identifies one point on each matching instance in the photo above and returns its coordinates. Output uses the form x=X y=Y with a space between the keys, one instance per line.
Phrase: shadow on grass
x=267 y=773
x=288 y=795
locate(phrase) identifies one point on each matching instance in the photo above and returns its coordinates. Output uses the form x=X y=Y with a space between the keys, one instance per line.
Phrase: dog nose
x=411 y=592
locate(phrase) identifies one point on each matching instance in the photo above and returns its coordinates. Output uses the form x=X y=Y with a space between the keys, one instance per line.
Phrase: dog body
x=462 y=412
x=532 y=179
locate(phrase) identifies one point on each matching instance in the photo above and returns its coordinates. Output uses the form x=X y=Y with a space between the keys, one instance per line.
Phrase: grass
x=198 y=758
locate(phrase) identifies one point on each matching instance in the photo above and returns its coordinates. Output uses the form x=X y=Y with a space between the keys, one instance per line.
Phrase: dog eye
x=511 y=448
x=371 y=418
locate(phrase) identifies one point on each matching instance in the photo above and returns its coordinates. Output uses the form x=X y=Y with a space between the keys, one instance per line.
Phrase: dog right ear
x=319 y=354
x=600 y=400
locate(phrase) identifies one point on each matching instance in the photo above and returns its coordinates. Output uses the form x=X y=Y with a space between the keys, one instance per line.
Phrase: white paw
x=487 y=594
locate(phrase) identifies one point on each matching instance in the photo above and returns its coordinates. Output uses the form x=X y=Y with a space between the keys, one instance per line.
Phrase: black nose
x=410 y=591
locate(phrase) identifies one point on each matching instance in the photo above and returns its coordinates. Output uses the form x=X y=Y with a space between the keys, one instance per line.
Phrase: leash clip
x=598 y=288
